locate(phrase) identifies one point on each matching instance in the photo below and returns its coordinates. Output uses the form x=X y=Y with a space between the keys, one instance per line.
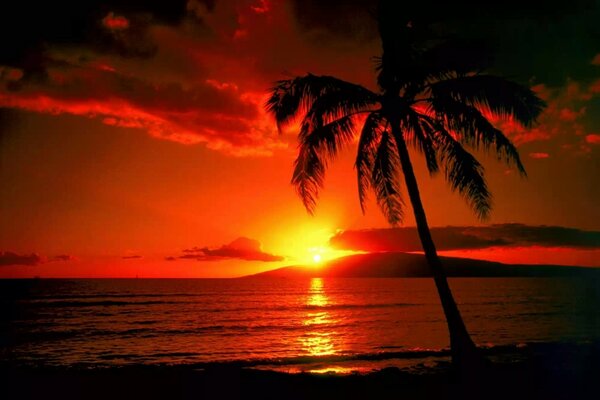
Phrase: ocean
x=293 y=325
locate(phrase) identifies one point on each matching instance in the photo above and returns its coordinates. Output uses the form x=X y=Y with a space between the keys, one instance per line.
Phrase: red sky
x=122 y=159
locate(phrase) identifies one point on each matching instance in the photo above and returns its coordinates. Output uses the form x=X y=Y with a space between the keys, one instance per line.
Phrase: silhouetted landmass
x=395 y=265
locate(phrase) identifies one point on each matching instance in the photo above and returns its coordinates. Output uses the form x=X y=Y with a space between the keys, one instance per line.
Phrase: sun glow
x=308 y=244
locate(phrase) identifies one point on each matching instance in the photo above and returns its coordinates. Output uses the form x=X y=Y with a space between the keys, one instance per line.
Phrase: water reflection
x=319 y=339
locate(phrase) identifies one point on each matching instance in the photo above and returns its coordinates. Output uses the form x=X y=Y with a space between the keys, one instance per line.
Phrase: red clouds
x=115 y=22
x=204 y=82
x=201 y=80
x=592 y=138
x=564 y=122
x=209 y=112
x=539 y=155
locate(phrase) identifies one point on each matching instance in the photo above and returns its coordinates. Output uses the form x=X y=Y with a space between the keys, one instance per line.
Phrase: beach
x=550 y=372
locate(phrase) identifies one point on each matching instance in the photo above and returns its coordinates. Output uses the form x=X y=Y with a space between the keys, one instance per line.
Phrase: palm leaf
x=365 y=155
x=327 y=139
x=463 y=172
x=292 y=97
x=384 y=179
x=475 y=130
x=497 y=95
x=317 y=146
x=308 y=177
x=421 y=140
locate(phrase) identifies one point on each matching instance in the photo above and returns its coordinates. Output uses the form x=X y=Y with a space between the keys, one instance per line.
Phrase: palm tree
x=430 y=99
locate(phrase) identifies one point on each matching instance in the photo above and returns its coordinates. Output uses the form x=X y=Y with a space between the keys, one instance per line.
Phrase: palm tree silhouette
x=433 y=96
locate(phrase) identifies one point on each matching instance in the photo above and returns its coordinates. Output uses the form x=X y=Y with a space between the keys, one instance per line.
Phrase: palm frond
x=335 y=105
x=308 y=177
x=384 y=179
x=416 y=136
x=292 y=97
x=327 y=139
x=463 y=172
x=365 y=156
x=475 y=130
x=501 y=97
x=318 y=145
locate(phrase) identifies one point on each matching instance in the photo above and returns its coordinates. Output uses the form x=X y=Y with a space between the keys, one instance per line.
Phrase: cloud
x=132 y=257
x=193 y=72
x=10 y=258
x=63 y=258
x=241 y=248
x=539 y=155
x=566 y=121
x=467 y=237
x=33 y=259
x=115 y=22
x=197 y=71
x=592 y=138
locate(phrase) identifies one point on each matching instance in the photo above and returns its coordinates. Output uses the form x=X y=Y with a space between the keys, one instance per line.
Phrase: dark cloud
x=196 y=71
x=467 y=237
x=195 y=87
x=132 y=257
x=27 y=29
x=33 y=259
x=63 y=257
x=241 y=248
x=10 y=258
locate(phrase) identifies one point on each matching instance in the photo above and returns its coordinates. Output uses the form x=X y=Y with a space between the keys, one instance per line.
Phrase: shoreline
x=562 y=373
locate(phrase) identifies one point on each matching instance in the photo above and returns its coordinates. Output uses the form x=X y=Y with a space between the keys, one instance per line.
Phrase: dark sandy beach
x=552 y=372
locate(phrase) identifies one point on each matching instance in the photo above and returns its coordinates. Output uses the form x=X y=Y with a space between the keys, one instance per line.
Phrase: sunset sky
x=133 y=138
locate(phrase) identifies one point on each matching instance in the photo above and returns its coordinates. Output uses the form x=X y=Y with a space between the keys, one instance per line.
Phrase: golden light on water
x=320 y=340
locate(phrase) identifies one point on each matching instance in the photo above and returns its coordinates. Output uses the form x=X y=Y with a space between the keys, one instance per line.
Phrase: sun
x=316 y=258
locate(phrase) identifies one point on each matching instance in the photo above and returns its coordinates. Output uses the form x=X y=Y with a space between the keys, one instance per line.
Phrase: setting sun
x=307 y=243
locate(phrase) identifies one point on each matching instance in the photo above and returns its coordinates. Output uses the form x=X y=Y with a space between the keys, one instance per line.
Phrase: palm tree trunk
x=464 y=353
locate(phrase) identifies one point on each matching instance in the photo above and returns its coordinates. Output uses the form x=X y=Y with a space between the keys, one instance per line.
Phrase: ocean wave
x=211 y=309
x=216 y=330
x=405 y=354
x=414 y=356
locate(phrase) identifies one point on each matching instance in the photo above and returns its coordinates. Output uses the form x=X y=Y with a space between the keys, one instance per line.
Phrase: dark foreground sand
x=559 y=373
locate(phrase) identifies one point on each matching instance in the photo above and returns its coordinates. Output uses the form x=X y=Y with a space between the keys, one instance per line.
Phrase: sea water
x=318 y=324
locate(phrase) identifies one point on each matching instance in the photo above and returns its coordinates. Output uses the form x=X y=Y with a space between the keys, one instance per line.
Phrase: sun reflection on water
x=319 y=339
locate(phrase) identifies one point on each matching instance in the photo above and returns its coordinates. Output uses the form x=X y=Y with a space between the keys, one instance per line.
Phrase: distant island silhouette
x=408 y=265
